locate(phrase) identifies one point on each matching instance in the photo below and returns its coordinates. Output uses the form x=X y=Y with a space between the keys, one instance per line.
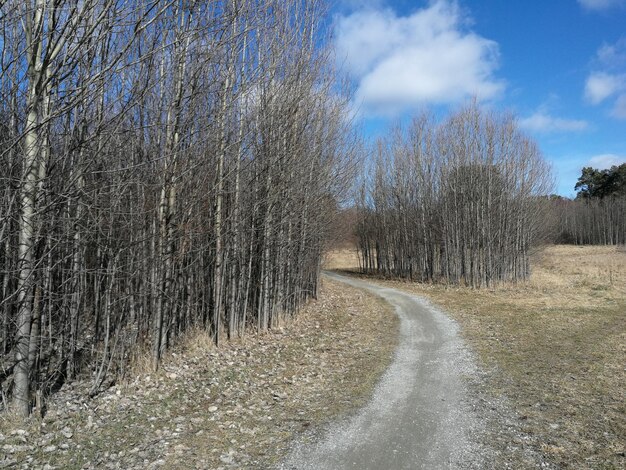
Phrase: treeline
x=598 y=214
x=165 y=165
x=456 y=201
x=590 y=221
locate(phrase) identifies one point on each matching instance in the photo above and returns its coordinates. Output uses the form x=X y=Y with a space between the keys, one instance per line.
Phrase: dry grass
x=326 y=364
x=558 y=345
x=238 y=406
x=342 y=259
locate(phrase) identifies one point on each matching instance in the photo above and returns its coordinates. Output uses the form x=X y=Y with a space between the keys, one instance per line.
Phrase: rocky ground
x=239 y=406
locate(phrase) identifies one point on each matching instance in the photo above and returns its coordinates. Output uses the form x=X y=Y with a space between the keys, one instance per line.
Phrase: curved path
x=420 y=415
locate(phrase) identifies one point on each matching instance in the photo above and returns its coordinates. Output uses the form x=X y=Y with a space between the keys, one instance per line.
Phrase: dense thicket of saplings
x=165 y=165
x=456 y=201
x=598 y=214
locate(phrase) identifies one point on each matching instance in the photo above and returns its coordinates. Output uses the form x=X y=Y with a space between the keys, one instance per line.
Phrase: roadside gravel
x=430 y=410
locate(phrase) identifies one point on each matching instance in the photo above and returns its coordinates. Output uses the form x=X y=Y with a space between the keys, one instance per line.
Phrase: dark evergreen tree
x=594 y=183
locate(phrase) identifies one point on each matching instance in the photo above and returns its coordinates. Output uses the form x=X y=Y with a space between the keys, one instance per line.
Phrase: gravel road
x=421 y=414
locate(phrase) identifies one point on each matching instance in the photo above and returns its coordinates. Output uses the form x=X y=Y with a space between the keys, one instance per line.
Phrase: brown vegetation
x=237 y=406
x=456 y=201
x=589 y=221
x=557 y=345
x=165 y=166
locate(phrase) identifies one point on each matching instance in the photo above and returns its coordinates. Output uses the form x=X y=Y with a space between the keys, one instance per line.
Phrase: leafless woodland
x=455 y=201
x=165 y=165
x=594 y=221
x=178 y=164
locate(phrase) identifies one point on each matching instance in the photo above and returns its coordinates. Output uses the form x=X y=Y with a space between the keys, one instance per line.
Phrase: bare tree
x=165 y=166
x=457 y=201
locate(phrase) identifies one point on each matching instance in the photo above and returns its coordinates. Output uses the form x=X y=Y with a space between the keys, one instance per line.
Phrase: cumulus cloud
x=429 y=56
x=542 y=121
x=600 y=5
x=608 y=81
x=600 y=85
x=607 y=160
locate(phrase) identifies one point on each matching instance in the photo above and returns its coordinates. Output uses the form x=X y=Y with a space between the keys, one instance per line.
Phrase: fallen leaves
x=238 y=406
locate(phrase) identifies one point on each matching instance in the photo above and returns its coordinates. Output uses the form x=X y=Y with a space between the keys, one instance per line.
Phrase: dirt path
x=420 y=415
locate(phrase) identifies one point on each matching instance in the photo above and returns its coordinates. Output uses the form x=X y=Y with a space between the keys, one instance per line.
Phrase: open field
x=238 y=406
x=556 y=346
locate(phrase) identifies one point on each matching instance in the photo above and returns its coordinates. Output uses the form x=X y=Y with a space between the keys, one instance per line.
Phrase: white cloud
x=542 y=121
x=619 y=110
x=599 y=5
x=612 y=56
x=600 y=85
x=401 y=62
x=607 y=160
x=609 y=79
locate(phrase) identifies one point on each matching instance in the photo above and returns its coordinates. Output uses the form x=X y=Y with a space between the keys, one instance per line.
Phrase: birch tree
x=458 y=201
x=166 y=166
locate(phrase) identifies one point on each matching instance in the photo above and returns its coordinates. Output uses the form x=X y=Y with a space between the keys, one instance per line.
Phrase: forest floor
x=239 y=406
x=554 y=348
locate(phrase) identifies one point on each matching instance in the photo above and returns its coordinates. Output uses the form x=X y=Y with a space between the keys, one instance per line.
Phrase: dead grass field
x=557 y=346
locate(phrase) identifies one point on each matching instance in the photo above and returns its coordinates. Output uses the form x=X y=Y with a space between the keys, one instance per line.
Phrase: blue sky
x=560 y=65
